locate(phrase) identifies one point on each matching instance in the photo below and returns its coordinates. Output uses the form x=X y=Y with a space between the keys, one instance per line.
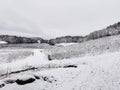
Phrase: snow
x=99 y=72
x=9 y=55
x=34 y=60
x=26 y=77
x=65 y=44
x=3 y=42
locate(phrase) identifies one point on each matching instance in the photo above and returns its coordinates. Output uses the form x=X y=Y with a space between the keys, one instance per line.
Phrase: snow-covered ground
x=8 y=55
x=99 y=72
x=65 y=44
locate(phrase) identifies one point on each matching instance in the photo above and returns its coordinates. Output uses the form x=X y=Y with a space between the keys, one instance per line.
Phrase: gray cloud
x=51 y=18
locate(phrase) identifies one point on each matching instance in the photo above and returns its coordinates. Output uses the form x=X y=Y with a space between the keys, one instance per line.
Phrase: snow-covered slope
x=91 y=73
x=87 y=48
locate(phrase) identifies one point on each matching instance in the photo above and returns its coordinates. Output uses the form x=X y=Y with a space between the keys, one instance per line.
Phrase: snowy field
x=88 y=73
x=31 y=69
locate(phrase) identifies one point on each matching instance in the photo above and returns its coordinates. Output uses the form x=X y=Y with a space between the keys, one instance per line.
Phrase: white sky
x=52 y=18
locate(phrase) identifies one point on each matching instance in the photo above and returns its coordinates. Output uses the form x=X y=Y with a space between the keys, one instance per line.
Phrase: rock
x=25 y=80
x=70 y=66
x=2 y=84
x=10 y=81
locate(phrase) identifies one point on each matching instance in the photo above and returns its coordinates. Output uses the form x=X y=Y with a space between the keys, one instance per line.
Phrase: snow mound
x=3 y=42
x=65 y=44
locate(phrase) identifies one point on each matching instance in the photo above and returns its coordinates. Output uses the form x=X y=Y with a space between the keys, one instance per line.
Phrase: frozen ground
x=99 y=72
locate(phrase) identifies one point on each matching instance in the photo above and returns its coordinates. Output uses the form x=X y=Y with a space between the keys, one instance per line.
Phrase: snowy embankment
x=88 y=48
x=88 y=73
x=64 y=44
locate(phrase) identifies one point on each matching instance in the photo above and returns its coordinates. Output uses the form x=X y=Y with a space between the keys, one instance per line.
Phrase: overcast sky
x=52 y=18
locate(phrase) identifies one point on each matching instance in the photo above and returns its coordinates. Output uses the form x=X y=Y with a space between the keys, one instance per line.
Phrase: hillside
x=16 y=39
x=109 y=31
x=88 y=48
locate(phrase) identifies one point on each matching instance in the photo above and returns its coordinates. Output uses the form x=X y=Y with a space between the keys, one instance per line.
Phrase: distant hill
x=108 y=31
x=16 y=39
x=66 y=39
